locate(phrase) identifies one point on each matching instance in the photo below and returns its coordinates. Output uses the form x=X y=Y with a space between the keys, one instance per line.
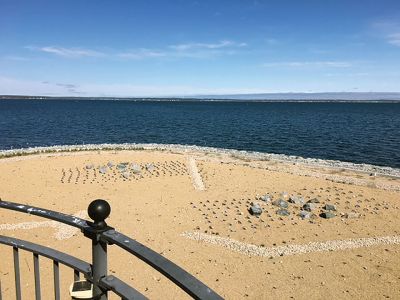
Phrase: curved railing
x=101 y=235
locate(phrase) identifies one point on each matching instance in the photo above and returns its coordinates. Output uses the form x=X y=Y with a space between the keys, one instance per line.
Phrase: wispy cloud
x=300 y=64
x=68 y=52
x=141 y=54
x=188 y=50
x=390 y=31
x=219 y=45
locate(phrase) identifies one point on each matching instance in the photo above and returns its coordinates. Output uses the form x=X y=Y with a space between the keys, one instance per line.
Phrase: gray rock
x=150 y=167
x=283 y=212
x=327 y=215
x=266 y=198
x=110 y=164
x=126 y=175
x=281 y=203
x=255 y=209
x=314 y=200
x=136 y=168
x=103 y=170
x=296 y=200
x=330 y=207
x=121 y=167
x=91 y=166
x=309 y=206
x=305 y=214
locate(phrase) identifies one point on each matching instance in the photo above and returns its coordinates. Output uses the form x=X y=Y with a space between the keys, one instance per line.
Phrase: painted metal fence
x=101 y=235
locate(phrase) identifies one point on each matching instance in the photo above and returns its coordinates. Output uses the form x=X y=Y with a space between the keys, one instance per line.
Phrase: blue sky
x=161 y=48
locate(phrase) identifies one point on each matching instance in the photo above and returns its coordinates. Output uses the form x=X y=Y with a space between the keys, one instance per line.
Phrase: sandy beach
x=192 y=205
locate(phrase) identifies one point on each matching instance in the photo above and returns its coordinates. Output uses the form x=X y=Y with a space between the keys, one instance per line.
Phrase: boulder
x=255 y=209
x=266 y=198
x=329 y=207
x=296 y=200
x=283 y=212
x=281 y=203
x=150 y=167
x=314 y=200
x=327 y=215
x=309 y=206
x=305 y=214
x=136 y=169
x=103 y=170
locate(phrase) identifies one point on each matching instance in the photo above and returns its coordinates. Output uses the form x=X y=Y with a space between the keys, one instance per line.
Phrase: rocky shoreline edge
x=240 y=154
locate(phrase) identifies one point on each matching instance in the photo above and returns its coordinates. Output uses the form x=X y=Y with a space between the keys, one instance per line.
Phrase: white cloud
x=67 y=52
x=301 y=64
x=394 y=39
x=389 y=30
x=141 y=54
x=221 y=44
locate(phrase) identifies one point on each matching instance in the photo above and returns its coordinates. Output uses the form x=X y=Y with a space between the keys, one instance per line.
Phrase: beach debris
x=110 y=164
x=255 y=209
x=90 y=166
x=327 y=215
x=285 y=195
x=309 y=206
x=314 y=200
x=103 y=170
x=330 y=207
x=305 y=214
x=266 y=198
x=281 y=203
x=296 y=200
x=283 y=212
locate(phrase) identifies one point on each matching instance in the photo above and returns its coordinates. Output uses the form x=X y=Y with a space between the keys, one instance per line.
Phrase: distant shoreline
x=268 y=98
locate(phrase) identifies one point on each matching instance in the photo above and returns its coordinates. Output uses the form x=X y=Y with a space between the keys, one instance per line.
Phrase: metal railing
x=101 y=235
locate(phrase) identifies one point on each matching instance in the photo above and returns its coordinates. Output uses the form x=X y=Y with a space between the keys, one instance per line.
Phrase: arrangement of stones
x=275 y=209
x=236 y=153
x=125 y=171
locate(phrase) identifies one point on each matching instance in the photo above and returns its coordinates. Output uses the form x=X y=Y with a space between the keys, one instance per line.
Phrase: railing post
x=98 y=211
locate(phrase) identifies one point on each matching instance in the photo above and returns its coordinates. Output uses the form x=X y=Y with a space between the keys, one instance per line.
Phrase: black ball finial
x=98 y=211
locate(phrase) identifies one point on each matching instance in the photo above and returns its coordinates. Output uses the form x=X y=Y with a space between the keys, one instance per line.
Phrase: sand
x=192 y=207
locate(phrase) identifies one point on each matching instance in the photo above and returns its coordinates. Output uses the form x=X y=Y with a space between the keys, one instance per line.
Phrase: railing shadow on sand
x=97 y=282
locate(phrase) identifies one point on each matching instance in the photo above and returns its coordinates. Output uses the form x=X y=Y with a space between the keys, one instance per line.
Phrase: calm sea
x=355 y=132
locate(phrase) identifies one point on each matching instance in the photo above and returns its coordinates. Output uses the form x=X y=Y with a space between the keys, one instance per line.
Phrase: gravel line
x=195 y=175
x=253 y=250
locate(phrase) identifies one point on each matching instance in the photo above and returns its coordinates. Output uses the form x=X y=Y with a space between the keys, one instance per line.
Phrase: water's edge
x=368 y=168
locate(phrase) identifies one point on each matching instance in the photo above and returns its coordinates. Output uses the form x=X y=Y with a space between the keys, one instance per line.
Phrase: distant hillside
x=342 y=96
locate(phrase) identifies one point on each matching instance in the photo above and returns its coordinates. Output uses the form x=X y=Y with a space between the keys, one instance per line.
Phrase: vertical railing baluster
x=17 y=275
x=37 y=275
x=76 y=275
x=56 y=274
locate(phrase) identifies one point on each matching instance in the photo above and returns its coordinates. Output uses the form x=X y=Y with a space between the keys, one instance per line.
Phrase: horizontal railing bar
x=176 y=274
x=48 y=214
x=66 y=259
x=120 y=288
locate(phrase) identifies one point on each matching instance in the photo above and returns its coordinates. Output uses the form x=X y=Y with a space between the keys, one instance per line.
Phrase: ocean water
x=354 y=132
